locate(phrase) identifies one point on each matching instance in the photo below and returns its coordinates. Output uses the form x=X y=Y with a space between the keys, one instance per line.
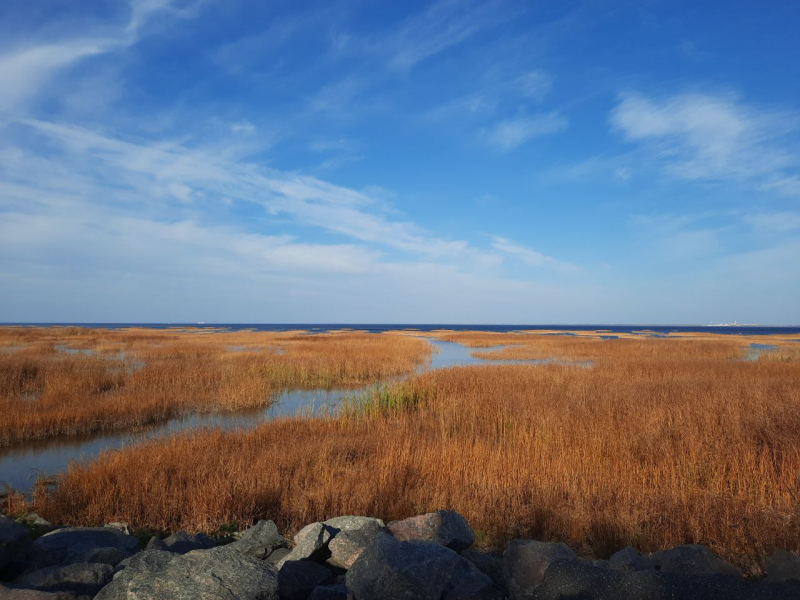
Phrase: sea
x=381 y=327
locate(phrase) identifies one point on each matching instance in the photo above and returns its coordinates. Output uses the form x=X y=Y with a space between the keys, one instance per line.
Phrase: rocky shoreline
x=428 y=557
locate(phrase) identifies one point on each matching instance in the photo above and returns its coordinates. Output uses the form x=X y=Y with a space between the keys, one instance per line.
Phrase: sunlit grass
x=662 y=442
x=69 y=381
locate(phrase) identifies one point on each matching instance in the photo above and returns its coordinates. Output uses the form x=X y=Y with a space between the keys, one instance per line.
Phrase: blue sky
x=418 y=162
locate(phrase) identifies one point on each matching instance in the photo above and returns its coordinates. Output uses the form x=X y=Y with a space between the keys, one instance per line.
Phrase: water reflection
x=755 y=351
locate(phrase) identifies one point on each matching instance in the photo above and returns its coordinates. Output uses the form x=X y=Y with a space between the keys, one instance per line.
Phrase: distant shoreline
x=732 y=329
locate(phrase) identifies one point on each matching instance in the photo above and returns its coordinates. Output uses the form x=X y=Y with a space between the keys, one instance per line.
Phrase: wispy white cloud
x=713 y=137
x=686 y=239
x=442 y=25
x=26 y=68
x=23 y=71
x=534 y=85
x=511 y=133
x=529 y=256
x=244 y=127
x=95 y=208
x=784 y=185
x=149 y=168
x=777 y=222
x=494 y=92
x=770 y=265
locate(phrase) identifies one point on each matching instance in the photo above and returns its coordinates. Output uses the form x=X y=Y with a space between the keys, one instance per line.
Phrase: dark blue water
x=645 y=330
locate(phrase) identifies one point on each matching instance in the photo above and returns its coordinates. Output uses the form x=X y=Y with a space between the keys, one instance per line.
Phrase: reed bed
x=656 y=445
x=72 y=381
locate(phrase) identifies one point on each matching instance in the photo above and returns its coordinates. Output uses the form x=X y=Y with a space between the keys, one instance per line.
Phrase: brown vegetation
x=69 y=381
x=663 y=442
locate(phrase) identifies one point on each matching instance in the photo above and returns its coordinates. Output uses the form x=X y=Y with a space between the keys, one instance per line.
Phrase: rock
x=260 y=540
x=36 y=523
x=19 y=594
x=36 y=520
x=353 y=523
x=445 y=527
x=416 y=570
x=314 y=534
x=218 y=573
x=389 y=568
x=80 y=578
x=602 y=563
x=525 y=563
x=181 y=542
x=350 y=535
x=83 y=545
x=120 y=526
x=347 y=546
x=14 y=542
x=692 y=559
x=311 y=542
x=630 y=559
x=575 y=579
x=329 y=592
x=490 y=565
x=782 y=566
x=469 y=583
x=277 y=556
x=146 y=560
x=156 y=543
x=298 y=578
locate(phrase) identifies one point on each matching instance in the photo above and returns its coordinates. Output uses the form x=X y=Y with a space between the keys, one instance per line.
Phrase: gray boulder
x=216 y=574
x=782 y=566
x=347 y=546
x=445 y=527
x=329 y=592
x=156 y=543
x=277 y=557
x=122 y=526
x=80 y=578
x=469 y=583
x=36 y=523
x=182 y=542
x=14 y=542
x=260 y=540
x=692 y=559
x=575 y=579
x=601 y=563
x=7 y=593
x=146 y=560
x=490 y=565
x=310 y=542
x=389 y=568
x=525 y=563
x=351 y=536
x=298 y=578
x=83 y=545
x=630 y=559
x=353 y=523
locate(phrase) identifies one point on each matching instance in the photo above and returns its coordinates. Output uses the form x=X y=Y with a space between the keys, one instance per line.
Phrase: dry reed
x=70 y=381
x=663 y=442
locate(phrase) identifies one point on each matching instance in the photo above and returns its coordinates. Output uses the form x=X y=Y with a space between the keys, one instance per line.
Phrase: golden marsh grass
x=662 y=442
x=71 y=381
